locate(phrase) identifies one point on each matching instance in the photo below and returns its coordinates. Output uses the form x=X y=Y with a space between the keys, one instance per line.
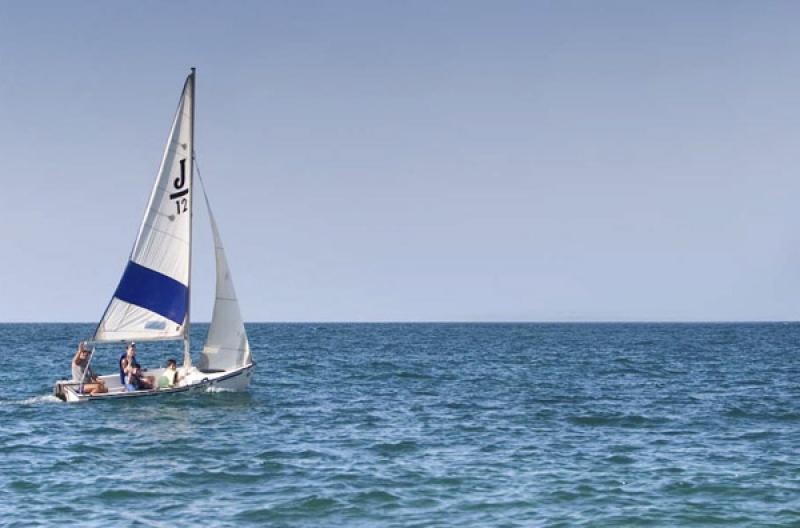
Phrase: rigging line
x=202 y=186
x=197 y=170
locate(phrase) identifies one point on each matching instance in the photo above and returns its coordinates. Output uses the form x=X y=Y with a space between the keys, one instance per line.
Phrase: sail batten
x=151 y=301
x=138 y=340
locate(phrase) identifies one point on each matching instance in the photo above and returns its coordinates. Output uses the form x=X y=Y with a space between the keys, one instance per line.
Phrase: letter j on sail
x=153 y=291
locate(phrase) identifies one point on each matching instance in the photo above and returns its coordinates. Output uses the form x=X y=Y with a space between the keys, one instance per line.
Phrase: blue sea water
x=420 y=425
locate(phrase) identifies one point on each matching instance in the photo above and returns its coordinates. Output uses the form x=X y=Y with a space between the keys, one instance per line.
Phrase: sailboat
x=153 y=299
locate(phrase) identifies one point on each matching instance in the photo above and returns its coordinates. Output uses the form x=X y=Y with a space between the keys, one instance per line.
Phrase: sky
x=416 y=160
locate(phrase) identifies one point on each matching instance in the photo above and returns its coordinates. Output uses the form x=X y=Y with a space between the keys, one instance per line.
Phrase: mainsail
x=226 y=346
x=152 y=299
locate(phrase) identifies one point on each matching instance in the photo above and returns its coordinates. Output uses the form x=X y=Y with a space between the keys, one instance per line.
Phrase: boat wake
x=47 y=398
x=219 y=389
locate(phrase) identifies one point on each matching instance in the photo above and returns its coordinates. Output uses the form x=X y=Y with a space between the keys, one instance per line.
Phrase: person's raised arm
x=77 y=354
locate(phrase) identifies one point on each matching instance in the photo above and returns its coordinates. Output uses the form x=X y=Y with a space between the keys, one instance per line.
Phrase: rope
x=197 y=170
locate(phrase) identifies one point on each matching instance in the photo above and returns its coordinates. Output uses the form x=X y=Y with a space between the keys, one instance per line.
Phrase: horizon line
x=457 y=321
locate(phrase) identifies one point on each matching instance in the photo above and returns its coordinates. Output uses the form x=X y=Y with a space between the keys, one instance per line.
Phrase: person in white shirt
x=82 y=373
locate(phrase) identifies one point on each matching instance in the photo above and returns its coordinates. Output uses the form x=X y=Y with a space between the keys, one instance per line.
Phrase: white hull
x=231 y=380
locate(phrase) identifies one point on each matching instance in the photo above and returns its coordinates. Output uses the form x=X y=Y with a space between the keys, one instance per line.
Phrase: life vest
x=122 y=370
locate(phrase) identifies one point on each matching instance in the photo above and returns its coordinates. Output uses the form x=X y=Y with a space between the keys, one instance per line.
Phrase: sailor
x=82 y=373
x=170 y=376
x=130 y=371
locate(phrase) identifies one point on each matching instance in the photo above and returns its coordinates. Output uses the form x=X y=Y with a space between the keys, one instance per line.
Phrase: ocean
x=445 y=425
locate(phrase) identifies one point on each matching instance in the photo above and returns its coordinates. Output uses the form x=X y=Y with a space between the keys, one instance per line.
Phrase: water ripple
x=421 y=425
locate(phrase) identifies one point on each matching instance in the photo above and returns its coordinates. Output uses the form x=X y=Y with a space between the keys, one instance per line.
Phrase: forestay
x=152 y=299
x=227 y=346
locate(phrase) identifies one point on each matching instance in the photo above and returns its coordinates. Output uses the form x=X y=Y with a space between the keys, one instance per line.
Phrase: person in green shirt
x=170 y=377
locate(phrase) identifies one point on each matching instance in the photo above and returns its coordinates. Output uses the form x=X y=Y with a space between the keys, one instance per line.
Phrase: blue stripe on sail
x=153 y=291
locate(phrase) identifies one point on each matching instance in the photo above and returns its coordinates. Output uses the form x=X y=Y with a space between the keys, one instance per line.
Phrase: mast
x=187 y=339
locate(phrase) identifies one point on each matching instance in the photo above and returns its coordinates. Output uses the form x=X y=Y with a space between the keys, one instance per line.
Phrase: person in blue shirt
x=131 y=372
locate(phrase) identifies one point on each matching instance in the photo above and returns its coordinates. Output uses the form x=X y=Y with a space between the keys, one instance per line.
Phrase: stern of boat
x=58 y=391
x=64 y=390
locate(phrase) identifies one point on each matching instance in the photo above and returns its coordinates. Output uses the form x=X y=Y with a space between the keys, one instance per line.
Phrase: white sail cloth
x=227 y=346
x=152 y=299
